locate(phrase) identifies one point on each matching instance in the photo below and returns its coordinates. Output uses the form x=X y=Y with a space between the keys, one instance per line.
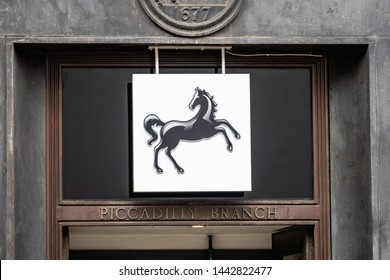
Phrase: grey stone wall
x=380 y=138
x=258 y=18
x=359 y=88
x=350 y=154
x=29 y=150
x=2 y=150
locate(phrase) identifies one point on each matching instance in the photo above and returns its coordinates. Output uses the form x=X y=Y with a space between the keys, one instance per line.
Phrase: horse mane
x=213 y=103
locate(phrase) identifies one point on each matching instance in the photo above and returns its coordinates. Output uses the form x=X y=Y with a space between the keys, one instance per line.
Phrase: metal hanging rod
x=194 y=47
x=190 y=47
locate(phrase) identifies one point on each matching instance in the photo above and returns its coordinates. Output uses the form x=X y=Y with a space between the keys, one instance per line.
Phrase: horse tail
x=149 y=122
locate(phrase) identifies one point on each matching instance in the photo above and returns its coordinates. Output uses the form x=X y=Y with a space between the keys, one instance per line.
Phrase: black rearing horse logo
x=202 y=126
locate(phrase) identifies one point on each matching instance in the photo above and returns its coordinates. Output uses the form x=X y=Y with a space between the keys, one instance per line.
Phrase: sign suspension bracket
x=202 y=48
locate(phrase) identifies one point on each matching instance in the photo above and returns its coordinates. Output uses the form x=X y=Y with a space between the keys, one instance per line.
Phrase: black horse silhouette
x=203 y=125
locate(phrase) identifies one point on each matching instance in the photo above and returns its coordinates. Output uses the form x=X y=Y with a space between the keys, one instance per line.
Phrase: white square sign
x=191 y=133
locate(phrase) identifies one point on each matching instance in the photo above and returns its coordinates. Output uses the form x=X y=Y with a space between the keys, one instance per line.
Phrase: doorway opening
x=191 y=243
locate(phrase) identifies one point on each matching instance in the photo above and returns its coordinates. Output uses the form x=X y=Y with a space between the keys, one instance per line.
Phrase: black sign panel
x=97 y=132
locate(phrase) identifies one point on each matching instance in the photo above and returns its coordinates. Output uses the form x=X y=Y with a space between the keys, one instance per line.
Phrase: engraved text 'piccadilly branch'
x=187 y=213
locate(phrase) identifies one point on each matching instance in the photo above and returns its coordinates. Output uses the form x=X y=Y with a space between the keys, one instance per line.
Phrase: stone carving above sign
x=191 y=18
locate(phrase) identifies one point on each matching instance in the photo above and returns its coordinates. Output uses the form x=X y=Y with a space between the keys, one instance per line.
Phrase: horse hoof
x=230 y=148
x=159 y=170
x=180 y=170
x=238 y=136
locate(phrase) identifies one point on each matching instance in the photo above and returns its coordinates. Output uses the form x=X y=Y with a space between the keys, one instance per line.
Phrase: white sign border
x=232 y=94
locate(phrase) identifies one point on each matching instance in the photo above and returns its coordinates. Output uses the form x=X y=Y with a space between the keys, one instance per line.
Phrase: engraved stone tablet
x=191 y=18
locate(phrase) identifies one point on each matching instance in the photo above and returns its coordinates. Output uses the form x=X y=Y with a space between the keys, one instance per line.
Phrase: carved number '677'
x=192 y=13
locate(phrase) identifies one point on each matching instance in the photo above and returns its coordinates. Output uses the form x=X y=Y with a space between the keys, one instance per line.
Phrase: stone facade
x=355 y=34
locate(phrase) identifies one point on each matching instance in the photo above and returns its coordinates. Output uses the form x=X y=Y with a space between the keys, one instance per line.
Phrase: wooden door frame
x=64 y=213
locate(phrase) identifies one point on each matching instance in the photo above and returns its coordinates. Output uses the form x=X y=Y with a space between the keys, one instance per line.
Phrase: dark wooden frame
x=62 y=214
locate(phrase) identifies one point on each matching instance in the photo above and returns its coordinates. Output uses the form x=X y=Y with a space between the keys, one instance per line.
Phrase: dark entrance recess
x=294 y=243
x=97 y=133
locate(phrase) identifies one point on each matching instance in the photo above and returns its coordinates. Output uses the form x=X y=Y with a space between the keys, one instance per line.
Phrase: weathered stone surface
x=310 y=18
x=2 y=148
x=30 y=193
x=381 y=191
x=33 y=17
x=350 y=155
x=110 y=18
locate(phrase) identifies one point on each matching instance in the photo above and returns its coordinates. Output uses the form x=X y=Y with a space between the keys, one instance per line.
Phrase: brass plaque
x=191 y=18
